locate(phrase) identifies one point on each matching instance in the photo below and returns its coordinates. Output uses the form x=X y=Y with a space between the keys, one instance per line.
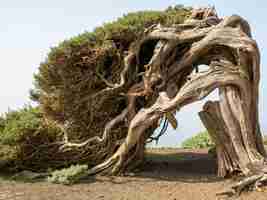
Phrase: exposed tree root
x=253 y=182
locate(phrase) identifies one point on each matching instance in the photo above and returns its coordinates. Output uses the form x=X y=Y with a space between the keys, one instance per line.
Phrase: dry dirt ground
x=169 y=174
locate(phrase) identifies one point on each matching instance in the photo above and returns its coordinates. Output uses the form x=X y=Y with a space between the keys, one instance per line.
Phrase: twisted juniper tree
x=109 y=90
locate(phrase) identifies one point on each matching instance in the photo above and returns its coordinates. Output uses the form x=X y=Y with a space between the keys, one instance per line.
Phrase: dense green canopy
x=74 y=72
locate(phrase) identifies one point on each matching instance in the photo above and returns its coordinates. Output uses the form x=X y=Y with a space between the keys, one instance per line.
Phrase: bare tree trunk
x=232 y=154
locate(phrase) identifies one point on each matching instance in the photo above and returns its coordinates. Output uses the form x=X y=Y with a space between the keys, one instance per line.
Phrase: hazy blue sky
x=30 y=27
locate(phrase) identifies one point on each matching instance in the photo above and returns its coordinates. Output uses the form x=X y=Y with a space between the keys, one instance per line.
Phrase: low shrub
x=19 y=125
x=69 y=175
x=201 y=140
x=23 y=133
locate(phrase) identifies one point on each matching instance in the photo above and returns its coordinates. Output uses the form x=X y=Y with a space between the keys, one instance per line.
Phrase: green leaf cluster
x=68 y=175
x=22 y=124
x=201 y=140
x=22 y=132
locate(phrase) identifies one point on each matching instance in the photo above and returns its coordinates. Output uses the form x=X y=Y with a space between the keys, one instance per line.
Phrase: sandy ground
x=169 y=174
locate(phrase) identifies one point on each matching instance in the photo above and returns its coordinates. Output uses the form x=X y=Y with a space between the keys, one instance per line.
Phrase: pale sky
x=30 y=27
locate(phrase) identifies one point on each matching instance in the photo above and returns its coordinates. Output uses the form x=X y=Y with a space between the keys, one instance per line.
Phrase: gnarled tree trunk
x=226 y=46
x=169 y=63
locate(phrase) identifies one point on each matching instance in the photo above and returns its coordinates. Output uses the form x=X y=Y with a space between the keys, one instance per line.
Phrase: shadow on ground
x=180 y=165
x=175 y=165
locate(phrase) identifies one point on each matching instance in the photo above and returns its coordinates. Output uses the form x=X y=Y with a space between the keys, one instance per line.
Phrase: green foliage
x=22 y=124
x=24 y=139
x=128 y=27
x=7 y=155
x=17 y=122
x=201 y=140
x=72 y=71
x=69 y=175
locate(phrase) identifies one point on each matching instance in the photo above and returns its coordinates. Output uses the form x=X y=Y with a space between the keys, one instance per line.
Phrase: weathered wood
x=213 y=121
